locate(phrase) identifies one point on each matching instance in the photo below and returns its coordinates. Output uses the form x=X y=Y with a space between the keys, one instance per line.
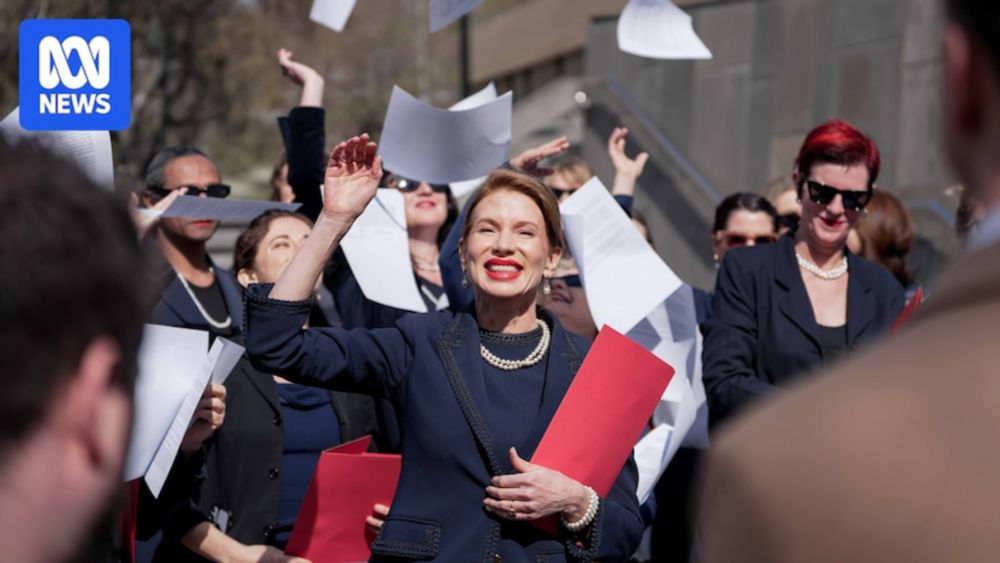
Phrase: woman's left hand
x=535 y=492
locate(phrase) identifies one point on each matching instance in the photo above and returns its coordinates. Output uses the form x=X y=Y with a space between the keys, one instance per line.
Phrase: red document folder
x=347 y=484
x=603 y=413
x=909 y=310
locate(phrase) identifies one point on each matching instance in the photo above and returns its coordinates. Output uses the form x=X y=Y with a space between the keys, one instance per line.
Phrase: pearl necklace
x=830 y=274
x=533 y=358
x=214 y=323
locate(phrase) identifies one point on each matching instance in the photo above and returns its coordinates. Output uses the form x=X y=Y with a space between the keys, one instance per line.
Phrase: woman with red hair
x=780 y=309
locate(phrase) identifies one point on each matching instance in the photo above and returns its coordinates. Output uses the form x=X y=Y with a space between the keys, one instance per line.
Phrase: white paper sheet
x=378 y=249
x=624 y=279
x=159 y=469
x=331 y=13
x=443 y=12
x=659 y=29
x=650 y=453
x=90 y=150
x=486 y=95
x=228 y=358
x=222 y=209
x=170 y=360
x=441 y=146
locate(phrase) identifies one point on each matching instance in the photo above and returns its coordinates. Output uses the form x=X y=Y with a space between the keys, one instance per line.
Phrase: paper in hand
x=377 y=248
x=170 y=361
x=487 y=94
x=331 y=13
x=440 y=146
x=658 y=29
x=89 y=150
x=443 y=12
x=222 y=209
x=623 y=277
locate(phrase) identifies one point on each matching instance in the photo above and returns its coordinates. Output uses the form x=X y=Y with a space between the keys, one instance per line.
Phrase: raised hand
x=303 y=75
x=143 y=222
x=528 y=160
x=631 y=167
x=352 y=176
x=535 y=492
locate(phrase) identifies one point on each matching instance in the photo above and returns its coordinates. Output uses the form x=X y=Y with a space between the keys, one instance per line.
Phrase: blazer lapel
x=267 y=389
x=458 y=347
x=563 y=361
x=793 y=301
x=860 y=301
x=232 y=294
x=176 y=298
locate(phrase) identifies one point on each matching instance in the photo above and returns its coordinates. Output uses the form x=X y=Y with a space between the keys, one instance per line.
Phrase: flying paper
x=660 y=30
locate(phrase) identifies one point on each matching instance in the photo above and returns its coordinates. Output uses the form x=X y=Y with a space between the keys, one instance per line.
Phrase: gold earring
x=465 y=280
x=546 y=286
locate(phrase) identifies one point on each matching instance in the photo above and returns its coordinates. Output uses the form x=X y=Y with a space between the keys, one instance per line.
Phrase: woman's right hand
x=352 y=176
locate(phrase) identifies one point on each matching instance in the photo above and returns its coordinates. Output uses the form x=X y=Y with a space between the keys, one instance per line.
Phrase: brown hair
x=886 y=234
x=543 y=197
x=247 y=245
x=576 y=170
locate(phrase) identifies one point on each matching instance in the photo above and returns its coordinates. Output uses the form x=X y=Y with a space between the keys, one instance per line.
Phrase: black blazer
x=762 y=332
x=429 y=365
x=242 y=456
x=175 y=307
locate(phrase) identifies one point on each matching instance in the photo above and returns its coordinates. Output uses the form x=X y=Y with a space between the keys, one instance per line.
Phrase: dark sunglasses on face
x=821 y=194
x=406 y=185
x=211 y=190
x=788 y=220
x=736 y=241
x=572 y=280
x=561 y=192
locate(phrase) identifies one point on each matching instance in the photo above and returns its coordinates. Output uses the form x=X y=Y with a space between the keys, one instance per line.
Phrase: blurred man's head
x=70 y=324
x=179 y=167
x=971 y=114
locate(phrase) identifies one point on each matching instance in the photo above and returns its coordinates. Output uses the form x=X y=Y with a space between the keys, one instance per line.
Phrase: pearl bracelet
x=588 y=515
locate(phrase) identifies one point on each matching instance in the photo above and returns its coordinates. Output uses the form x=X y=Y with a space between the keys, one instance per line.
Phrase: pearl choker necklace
x=533 y=358
x=830 y=274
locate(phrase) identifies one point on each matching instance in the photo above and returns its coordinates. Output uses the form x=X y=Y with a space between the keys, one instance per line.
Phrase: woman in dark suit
x=780 y=309
x=475 y=389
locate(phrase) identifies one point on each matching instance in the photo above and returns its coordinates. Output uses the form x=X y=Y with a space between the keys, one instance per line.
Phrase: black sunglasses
x=406 y=185
x=736 y=241
x=788 y=220
x=561 y=192
x=821 y=194
x=211 y=190
x=572 y=280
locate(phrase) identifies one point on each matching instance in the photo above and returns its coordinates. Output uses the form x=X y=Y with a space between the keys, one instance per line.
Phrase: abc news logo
x=75 y=75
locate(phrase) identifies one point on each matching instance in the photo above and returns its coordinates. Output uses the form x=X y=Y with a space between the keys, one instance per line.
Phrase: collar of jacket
x=793 y=300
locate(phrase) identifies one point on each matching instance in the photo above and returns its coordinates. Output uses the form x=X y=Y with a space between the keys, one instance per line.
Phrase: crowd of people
x=832 y=440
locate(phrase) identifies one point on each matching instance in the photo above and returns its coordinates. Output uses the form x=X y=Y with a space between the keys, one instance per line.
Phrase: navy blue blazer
x=762 y=332
x=175 y=307
x=430 y=366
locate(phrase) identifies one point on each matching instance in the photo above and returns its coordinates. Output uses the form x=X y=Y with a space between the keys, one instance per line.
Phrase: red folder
x=909 y=310
x=347 y=484
x=603 y=413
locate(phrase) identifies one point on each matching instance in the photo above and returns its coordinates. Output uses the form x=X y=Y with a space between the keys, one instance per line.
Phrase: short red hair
x=838 y=142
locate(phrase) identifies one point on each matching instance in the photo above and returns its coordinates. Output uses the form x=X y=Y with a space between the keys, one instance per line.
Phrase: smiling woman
x=475 y=389
x=780 y=309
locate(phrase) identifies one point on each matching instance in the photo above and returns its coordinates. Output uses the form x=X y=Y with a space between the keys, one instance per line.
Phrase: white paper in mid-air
x=440 y=146
x=222 y=209
x=378 y=249
x=170 y=362
x=331 y=13
x=658 y=29
x=443 y=12
x=487 y=94
x=90 y=150
x=623 y=277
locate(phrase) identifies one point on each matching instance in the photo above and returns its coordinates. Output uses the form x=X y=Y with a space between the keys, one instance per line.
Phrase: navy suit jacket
x=430 y=366
x=762 y=332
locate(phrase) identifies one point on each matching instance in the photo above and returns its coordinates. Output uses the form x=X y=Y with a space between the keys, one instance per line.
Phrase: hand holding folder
x=348 y=482
x=603 y=413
